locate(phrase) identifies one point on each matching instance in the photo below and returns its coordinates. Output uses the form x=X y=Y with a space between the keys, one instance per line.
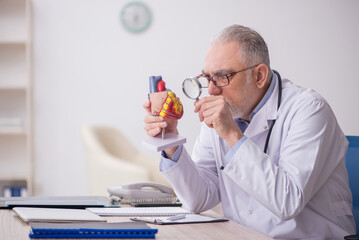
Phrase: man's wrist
x=170 y=151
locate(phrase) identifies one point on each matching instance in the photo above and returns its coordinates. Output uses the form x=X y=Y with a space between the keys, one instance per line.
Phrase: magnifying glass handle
x=163 y=133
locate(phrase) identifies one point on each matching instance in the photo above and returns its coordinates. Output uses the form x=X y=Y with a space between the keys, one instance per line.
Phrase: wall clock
x=136 y=17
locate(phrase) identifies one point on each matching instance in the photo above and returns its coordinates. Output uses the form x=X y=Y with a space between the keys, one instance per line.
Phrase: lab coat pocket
x=259 y=217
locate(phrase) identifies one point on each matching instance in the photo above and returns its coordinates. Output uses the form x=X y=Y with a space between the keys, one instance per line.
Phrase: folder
x=56 y=215
x=92 y=230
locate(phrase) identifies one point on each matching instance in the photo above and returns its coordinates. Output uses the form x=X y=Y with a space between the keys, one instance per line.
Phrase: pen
x=177 y=217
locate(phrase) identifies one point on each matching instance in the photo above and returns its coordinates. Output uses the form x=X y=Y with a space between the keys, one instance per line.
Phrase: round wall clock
x=136 y=17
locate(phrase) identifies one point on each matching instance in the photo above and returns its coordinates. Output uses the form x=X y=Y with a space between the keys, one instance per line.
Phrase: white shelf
x=13 y=71
x=12 y=131
x=13 y=176
x=13 y=21
x=15 y=94
x=13 y=104
x=13 y=88
x=12 y=42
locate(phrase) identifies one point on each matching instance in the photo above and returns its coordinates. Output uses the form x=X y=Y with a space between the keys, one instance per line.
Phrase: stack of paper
x=143 y=211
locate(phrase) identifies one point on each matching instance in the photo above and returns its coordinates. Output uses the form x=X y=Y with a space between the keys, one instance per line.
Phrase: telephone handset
x=142 y=190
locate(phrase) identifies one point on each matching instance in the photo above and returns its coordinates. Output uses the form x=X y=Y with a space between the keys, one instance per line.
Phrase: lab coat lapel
x=258 y=124
x=262 y=119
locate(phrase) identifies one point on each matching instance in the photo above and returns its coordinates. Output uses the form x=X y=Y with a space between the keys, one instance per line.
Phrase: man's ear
x=261 y=74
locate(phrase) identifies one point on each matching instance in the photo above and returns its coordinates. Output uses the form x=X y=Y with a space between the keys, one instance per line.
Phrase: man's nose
x=213 y=89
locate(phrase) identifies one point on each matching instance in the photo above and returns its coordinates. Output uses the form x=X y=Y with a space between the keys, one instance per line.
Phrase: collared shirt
x=167 y=163
x=243 y=124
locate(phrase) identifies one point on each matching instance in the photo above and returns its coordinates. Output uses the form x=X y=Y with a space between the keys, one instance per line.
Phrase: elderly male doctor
x=296 y=187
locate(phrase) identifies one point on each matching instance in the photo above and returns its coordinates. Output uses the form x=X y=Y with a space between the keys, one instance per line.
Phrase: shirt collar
x=266 y=96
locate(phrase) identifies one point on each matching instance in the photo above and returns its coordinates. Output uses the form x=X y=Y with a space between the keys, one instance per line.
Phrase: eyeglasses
x=220 y=80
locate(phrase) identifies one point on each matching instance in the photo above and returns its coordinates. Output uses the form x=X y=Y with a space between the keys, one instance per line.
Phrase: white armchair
x=113 y=160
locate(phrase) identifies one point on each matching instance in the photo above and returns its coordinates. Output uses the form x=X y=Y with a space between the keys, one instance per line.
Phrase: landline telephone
x=142 y=192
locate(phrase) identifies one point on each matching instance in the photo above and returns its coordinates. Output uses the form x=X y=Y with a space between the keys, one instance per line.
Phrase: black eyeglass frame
x=228 y=75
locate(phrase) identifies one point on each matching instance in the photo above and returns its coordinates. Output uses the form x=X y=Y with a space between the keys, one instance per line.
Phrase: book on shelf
x=11 y=125
x=14 y=191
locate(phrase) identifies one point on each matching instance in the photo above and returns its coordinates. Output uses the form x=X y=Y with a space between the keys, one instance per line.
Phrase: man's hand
x=154 y=124
x=216 y=113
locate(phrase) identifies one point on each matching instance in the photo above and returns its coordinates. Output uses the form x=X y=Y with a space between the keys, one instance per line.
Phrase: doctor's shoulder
x=298 y=100
x=293 y=93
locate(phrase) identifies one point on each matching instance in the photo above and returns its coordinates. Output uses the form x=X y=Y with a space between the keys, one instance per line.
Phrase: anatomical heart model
x=164 y=103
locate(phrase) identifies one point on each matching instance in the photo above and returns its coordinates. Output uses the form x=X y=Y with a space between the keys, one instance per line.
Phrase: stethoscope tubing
x=278 y=105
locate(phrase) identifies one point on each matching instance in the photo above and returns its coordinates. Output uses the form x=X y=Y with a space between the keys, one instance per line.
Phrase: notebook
x=56 y=215
x=143 y=211
x=92 y=230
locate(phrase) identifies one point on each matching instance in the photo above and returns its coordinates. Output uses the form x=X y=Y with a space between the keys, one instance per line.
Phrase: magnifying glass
x=192 y=88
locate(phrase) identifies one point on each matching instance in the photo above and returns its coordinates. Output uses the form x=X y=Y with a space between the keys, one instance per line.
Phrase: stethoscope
x=278 y=105
x=192 y=88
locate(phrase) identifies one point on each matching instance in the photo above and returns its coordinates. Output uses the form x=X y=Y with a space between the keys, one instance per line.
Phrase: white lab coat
x=298 y=190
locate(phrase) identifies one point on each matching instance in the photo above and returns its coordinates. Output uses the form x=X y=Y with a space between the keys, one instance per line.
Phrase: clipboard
x=183 y=219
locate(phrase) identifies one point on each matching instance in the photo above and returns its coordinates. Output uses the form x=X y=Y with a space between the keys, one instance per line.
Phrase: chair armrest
x=351 y=237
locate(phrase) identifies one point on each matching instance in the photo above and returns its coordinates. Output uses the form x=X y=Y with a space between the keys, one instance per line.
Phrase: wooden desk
x=12 y=227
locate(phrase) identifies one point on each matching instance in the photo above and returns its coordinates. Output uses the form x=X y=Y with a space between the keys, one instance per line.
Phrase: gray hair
x=252 y=46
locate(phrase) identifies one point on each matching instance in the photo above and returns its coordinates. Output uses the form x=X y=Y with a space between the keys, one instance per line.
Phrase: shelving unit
x=15 y=98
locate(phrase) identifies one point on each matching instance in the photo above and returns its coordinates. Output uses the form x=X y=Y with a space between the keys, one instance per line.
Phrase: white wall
x=88 y=69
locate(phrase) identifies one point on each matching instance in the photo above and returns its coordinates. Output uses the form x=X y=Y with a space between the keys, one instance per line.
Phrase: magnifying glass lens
x=203 y=81
x=192 y=88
